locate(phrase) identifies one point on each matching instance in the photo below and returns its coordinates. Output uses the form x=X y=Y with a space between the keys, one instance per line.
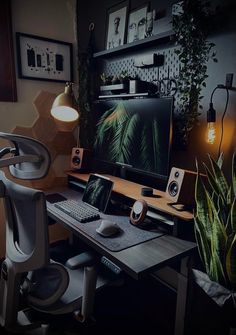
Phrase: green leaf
x=203 y=243
x=124 y=144
x=233 y=216
x=156 y=145
x=216 y=272
x=203 y=206
x=220 y=178
x=105 y=123
x=145 y=147
x=214 y=186
x=222 y=210
x=230 y=261
x=220 y=160
x=219 y=236
x=229 y=196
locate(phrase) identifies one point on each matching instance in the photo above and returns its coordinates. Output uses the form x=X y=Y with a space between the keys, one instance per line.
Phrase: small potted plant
x=106 y=80
x=215 y=230
x=115 y=80
x=124 y=77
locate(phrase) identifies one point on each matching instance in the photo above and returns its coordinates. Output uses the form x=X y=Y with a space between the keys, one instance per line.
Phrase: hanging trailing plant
x=191 y=26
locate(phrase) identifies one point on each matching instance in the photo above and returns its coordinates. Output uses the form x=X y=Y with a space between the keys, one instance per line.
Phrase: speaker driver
x=173 y=188
x=76 y=160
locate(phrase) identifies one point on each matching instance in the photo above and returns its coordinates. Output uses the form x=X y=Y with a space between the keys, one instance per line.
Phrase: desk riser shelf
x=131 y=190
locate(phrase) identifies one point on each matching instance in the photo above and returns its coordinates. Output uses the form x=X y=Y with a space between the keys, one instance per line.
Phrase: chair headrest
x=29 y=159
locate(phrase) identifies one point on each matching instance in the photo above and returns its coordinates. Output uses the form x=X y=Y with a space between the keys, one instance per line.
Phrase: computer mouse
x=108 y=228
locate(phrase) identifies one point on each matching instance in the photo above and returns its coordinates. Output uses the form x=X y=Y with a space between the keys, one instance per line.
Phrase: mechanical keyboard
x=78 y=211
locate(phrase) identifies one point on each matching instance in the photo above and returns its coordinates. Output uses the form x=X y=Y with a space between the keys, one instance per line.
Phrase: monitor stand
x=123 y=169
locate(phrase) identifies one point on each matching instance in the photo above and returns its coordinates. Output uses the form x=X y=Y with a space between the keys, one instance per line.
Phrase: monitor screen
x=135 y=133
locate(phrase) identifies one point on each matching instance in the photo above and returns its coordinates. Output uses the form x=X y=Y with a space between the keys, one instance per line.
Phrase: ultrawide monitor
x=135 y=133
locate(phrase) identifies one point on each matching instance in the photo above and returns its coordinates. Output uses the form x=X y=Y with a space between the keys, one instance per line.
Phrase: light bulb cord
x=222 y=121
x=223 y=115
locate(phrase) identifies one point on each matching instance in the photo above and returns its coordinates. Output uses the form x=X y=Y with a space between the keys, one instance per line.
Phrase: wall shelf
x=149 y=41
x=125 y=95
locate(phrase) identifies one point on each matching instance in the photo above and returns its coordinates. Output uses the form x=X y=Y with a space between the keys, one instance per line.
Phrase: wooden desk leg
x=182 y=304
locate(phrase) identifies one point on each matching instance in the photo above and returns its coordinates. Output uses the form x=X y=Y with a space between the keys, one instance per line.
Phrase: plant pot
x=114 y=88
x=222 y=297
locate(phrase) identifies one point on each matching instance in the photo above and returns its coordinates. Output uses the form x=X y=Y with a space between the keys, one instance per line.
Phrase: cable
x=77 y=140
x=222 y=121
x=220 y=86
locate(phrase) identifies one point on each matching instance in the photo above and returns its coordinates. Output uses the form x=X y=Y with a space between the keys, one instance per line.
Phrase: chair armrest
x=81 y=260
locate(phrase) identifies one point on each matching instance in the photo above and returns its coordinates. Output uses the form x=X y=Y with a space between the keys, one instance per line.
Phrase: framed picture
x=116 y=25
x=7 y=66
x=43 y=59
x=137 y=24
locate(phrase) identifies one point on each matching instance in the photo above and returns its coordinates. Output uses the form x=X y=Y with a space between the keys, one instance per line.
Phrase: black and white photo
x=43 y=59
x=137 y=24
x=117 y=18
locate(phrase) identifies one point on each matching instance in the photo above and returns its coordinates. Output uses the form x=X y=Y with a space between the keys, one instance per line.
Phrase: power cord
x=220 y=86
x=222 y=121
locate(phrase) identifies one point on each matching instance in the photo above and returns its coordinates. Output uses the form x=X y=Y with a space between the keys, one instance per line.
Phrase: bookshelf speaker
x=80 y=159
x=181 y=185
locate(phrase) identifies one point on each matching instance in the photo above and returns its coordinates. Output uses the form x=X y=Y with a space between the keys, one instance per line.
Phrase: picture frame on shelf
x=41 y=58
x=116 y=25
x=137 y=24
x=162 y=25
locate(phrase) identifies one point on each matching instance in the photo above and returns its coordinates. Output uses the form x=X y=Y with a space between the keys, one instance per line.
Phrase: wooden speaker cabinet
x=181 y=185
x=80 y=159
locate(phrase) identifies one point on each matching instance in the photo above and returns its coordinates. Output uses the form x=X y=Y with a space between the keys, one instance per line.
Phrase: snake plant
x=215 y=223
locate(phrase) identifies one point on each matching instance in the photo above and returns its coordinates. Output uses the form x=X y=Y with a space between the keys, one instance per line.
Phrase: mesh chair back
x=26 y=226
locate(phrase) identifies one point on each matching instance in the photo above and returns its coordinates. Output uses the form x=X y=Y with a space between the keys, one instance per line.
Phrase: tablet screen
x=97 y=192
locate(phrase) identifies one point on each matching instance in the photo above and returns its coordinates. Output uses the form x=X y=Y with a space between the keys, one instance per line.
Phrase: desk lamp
x=64 y=109
x=66 y=116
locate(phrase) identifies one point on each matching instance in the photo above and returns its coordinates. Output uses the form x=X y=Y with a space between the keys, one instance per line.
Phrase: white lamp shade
x=63 y=108
x=64 y=113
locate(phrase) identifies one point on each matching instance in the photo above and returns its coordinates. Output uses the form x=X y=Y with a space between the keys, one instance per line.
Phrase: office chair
x=28 y=277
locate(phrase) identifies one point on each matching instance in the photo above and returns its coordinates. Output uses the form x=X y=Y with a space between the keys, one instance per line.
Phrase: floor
x=136 y=308
x=141 y=308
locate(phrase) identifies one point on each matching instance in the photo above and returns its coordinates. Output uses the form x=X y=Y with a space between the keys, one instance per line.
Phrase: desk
x=140 y=259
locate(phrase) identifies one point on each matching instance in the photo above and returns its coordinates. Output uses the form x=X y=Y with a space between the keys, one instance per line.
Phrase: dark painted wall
x=225 y=40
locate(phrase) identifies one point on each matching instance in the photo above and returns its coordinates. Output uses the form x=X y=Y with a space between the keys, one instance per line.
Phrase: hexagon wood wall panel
x=58 y=142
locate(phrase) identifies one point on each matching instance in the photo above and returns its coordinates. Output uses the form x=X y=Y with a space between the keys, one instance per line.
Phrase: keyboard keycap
x=79 y=212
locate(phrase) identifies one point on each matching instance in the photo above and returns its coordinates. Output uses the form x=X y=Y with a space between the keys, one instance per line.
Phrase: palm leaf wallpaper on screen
x=96 y=193
x=126 y=136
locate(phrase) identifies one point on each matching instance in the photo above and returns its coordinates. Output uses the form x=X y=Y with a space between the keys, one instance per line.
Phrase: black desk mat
x=128 y=236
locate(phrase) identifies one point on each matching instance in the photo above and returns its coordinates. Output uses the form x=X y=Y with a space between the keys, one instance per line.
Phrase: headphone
x=138 y=212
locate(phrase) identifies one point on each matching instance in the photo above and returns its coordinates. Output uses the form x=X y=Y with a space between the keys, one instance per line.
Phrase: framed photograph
x=116 y=25
x=7 y=64
x=137 y=24
x=41 y=58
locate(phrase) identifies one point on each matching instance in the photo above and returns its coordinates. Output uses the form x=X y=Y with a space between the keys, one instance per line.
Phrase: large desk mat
x=128 y=236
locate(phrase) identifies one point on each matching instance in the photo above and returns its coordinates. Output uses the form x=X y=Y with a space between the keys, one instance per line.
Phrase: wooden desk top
x=137 y=260
x=133 y=191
